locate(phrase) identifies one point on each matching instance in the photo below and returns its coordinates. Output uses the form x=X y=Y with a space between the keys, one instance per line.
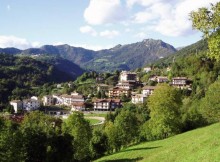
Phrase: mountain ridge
x=120 y=57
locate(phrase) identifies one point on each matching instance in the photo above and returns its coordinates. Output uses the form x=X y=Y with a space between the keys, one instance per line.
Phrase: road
x=101 y=119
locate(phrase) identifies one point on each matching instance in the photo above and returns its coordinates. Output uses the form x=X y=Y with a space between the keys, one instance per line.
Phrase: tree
x=98 y=143
x=210 y=106
x=114 y=143
x=80 y=130
x=37 y=129
x=208 y=21
x=10 y=142
x=127 y=127
x=164 y=106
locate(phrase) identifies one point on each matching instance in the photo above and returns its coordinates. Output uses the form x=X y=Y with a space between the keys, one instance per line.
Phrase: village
x=128 y=86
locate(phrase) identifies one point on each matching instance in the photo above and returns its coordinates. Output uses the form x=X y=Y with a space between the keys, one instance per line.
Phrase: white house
x=17 y=105
x=128 y=76
x=57 y=99
x=106 y=104
x=31 y=104
x=147 y=69
x=159 y=79
x=74 y=97
x=148 y=90
x=48 y=100
x=138 y=98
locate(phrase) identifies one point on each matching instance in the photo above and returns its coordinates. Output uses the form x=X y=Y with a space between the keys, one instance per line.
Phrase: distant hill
x=10 y=50
x=197 y=145
x=63 y=65
x=33 y=72
x=130 y=56
x=198 y=47
x=120 y=57
x=20 y=75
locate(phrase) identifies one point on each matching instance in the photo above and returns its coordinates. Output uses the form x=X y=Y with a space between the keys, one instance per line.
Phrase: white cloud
x=12 y=41
x=8 y=7
x=109 y=34
x=104 y=11
x=170 y=19
x=140 y=35
x=127 y=30
x=131 y=3
x=88 y=29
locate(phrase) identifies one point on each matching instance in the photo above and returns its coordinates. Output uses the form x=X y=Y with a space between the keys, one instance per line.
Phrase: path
x=101 y=119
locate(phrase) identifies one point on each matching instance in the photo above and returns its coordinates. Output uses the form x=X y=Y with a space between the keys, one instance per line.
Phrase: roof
x=107 y=100
x=149 y=88
x=16 y=101
x=180 y=78
x=162 y=77
x=118 y=88
x=128 y=72
x=78 y=104
x=125 y=83
x=30 y=100
x=138 y=96
x=102 y=85
x=72 y=96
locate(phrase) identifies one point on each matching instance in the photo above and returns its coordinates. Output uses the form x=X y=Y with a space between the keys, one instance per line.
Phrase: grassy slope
x=200 y=145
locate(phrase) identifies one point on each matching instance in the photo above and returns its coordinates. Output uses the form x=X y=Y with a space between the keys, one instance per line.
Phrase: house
x=162 y=79
x=159 y=79
x=181 y=82
x=128 y=76
x=57 y=99
x=31 y=104
x=17 y=105
x=56 y=111
x=48 y=100
x=117 y=92
x=106 y=104
x=126 y=85
x=69 y=99
x=78 y=106
x=148 y=90
x=147 y=69
x=138 y=98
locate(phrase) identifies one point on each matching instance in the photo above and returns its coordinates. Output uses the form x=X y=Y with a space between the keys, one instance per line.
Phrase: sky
x=97 y=24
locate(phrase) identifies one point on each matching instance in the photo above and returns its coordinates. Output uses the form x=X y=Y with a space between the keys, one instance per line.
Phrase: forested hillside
x=19 y=75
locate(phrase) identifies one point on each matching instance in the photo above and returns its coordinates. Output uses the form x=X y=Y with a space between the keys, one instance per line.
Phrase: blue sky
x=96 y=24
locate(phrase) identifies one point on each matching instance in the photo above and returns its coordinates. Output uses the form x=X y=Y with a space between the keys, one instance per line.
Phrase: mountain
x=20 y=76
x=130 y=56
x=10 y=50
x=120 y=57
x=63 y=65
x=193 y=49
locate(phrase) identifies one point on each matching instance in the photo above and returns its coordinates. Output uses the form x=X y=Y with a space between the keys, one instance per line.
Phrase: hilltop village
x=129 y=88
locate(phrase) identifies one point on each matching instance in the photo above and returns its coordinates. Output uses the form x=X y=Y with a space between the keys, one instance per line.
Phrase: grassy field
x=93 y=114
x=93 y=121
x=200 y=145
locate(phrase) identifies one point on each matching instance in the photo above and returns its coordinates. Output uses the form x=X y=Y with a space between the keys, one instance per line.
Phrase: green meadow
x=200 y=145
